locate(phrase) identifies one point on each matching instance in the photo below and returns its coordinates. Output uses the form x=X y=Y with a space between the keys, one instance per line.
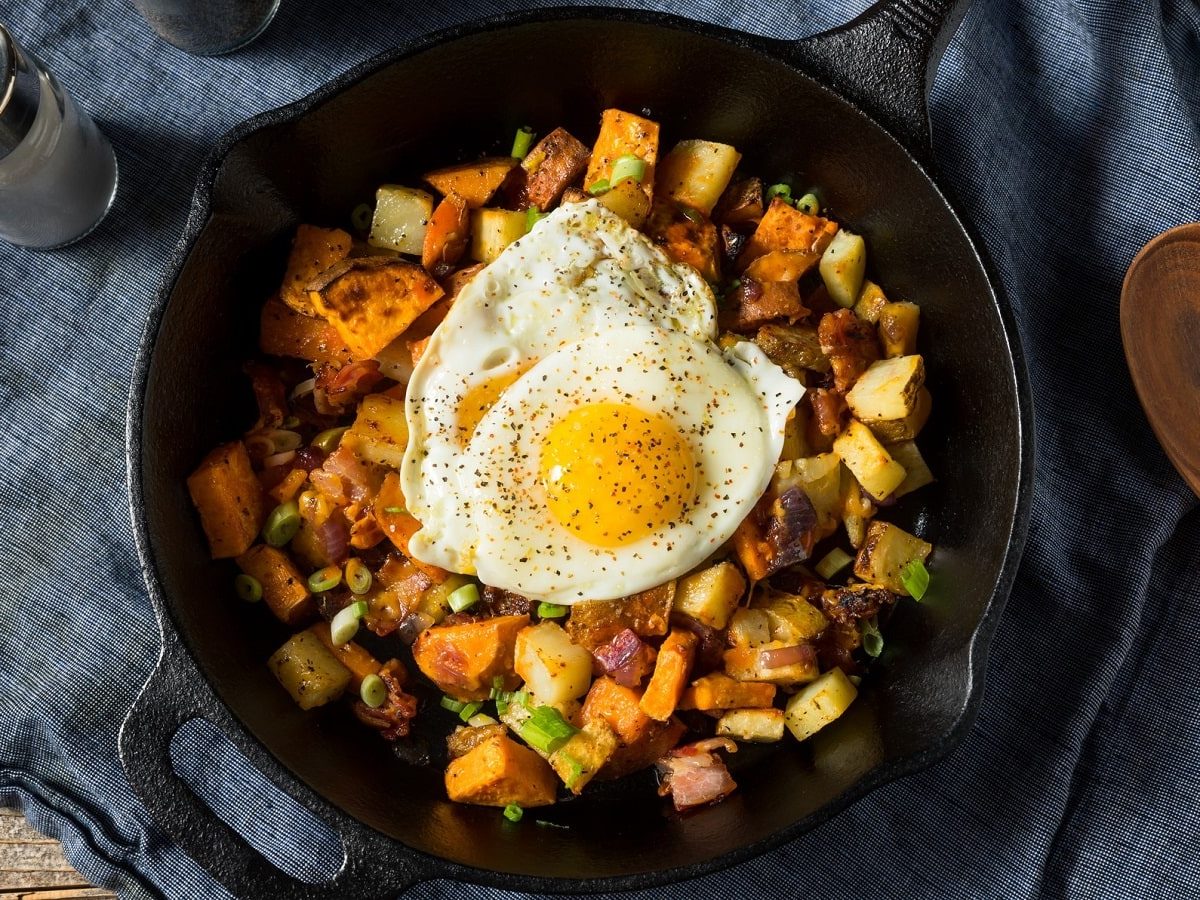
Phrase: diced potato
x=819 y=703
x=749 y=664
x=793 y=619
x=285 y=332
x=463 y=659
x=892 y=431
x=372 y=300
x=868 y=461
x=395 y=360
x=696 y=173
x=435 y=602
x=578 y=760
x=719 y=691
x=642 y=740
x=353 y=656
x=494 y=229
x=622 y=134
x=711 y=595
x=647 y=614
x=885 y=552
x=751 y=547
x=628 y=201
x=842 y=267
x=228 y=496
x=871 y=301
x=379 y=433
x=759 y=726
x=897 y=326
x=554 y=163
x=475 y=182
x=795 y=348
x=820 y=478
x=553 y=668
x=499 y=771
x=749 y=628
x=313 y=251
x=309 y=671
x=887 y=390
x=285 y=590
x=916 y=472
x=401 y=216
x=671 y=670
x=783 y=227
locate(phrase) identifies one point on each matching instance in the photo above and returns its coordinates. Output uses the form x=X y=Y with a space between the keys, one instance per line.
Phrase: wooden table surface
x=32 y=867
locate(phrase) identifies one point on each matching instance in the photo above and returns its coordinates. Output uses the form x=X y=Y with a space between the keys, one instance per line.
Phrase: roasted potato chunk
x=596 y=622
x=313 y=251
x=499 y=771
x=842 y=266
x=285 y=590
x=870 y=303
x=784 y=227
x=916 y=471
x=753 y=303
x=463 y=659
x=578 y=760
x=401 y=219
x=621 y=134
x=554 y=669
x=554 y=163
x=628 y=201
x=309 y=671
x=819 y=703
x=868 y=460
x=711 y=595
x=690 y=239
x=696 y=173
x=228 y=496
x=494 y=229
x=379 y=433
x=897 y=326
x=885 y=552
x=475 y=182
x=887 y=390
x=757 y=726
x=794 y=348
x=741 y=206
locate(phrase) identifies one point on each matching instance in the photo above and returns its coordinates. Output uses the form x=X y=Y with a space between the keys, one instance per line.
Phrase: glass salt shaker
x=58 y=173
x=208 y=27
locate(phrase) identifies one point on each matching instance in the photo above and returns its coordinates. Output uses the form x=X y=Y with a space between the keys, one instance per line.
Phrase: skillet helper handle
x=174 y=695
x=885 y=61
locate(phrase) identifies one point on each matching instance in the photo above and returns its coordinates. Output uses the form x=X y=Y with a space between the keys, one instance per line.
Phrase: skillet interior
x=468 y=95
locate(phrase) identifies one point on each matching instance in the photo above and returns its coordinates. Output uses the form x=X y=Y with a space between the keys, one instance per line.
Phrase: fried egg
x=574 y=431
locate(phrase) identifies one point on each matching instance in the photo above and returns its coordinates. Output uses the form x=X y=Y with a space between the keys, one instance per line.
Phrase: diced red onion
x=787 y=656
x=303 y=388
x=623 y=658
x=412 y=626
x=334 y=537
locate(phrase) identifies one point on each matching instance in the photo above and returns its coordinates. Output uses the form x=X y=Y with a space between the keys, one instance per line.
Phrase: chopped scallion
x=551 y=610
x=248 y=588
x=809 y=204
x=599 y=187
x=469 y=709
x=833 y=562
x=395 y=510
x=782 y=191
x=358 y=576
x=532 y=215
x=546 y=729
x=464 y=598
x=373 y=691
x=291 y=422
x=478 y=721
x=455 y=706
x=282 y=524
x=915 y=578
x=344 y=626
x=328 y=439
x=628 y=167
x=513 y=813
x=872 y=640
x=692 y=215
x=522 y=142
x=574 y=769
x=361 y=217
x=325 y=579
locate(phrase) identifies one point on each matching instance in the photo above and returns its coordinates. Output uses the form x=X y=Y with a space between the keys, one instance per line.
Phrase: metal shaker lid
x=20 y=94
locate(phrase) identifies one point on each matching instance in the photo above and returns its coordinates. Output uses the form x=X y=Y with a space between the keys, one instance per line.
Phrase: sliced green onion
x=361 y=217
x=521 y=698
x=809 y=204
x=574 y=769
x=469 y=709
x=628 y=167
x=247 y=588
x=373 y=691
x=282 y=524
x=455 y=706
x=532 y=215
x=522 y=142
x=692 y=215
x=546 y=729
x=513 y=813
x=915 y=578
x=872 y=640
x=478 y=721
x=782 y=191
x=502 y=706
x=464 y=598
x=291 y=422
x=395 y=510
x=344 y=626
x=551 y=611
x=358 y=576
x=599 y=187
x=833 y=562
x=328 y=439
x=325 y=579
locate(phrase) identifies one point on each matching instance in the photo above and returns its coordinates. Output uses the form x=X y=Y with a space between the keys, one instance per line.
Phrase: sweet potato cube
x=447 y=234
x=228 y=496
x=783 y=227
x=671 y=671
x=284 y=588
x=313 y=251
x=693 y=240
x=399 y=525
x=372 y=300
x=622 y=134
x=555 y=162
x=353 y=656
x=499 y=771
x=475 y=181
x=285 y=332
x=463 y=659
x=647 y=614
x=653 y=745
x=719 y=691
x=619 y=708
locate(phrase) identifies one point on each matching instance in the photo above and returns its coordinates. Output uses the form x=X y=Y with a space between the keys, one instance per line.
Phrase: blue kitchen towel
x=1068 y=129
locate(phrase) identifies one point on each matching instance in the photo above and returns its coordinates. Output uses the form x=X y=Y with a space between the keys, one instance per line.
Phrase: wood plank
x=33 y=867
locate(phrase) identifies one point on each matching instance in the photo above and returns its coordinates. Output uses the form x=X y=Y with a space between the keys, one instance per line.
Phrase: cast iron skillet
x=844 y=111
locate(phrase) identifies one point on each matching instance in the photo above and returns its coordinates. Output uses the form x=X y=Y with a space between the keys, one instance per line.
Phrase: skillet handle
x=176 y=694
x=884 y=62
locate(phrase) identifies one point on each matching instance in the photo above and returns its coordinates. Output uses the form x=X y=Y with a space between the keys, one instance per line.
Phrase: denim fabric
x=1068 y=130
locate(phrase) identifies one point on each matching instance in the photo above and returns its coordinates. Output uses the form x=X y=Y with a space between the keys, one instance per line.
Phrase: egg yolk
x=482 y=397
x=614 y=474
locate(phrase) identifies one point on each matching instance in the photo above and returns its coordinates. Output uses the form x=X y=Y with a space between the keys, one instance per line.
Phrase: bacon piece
x=830 y=411
x=695 y=776
x=854 y=602
x=851 y=345
x=356 y=480
x=340 y=387
x=394 y=717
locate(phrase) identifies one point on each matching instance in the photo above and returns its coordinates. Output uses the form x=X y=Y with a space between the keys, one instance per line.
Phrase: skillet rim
x=428 y=866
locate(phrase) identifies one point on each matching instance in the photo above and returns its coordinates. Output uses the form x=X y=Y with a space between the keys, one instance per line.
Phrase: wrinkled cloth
x=1068 y=131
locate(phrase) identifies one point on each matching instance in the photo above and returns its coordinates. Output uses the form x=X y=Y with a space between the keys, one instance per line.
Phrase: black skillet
x=844 y=111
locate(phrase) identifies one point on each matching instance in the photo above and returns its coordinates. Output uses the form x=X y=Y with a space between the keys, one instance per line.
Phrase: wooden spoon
x=1160 y=327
